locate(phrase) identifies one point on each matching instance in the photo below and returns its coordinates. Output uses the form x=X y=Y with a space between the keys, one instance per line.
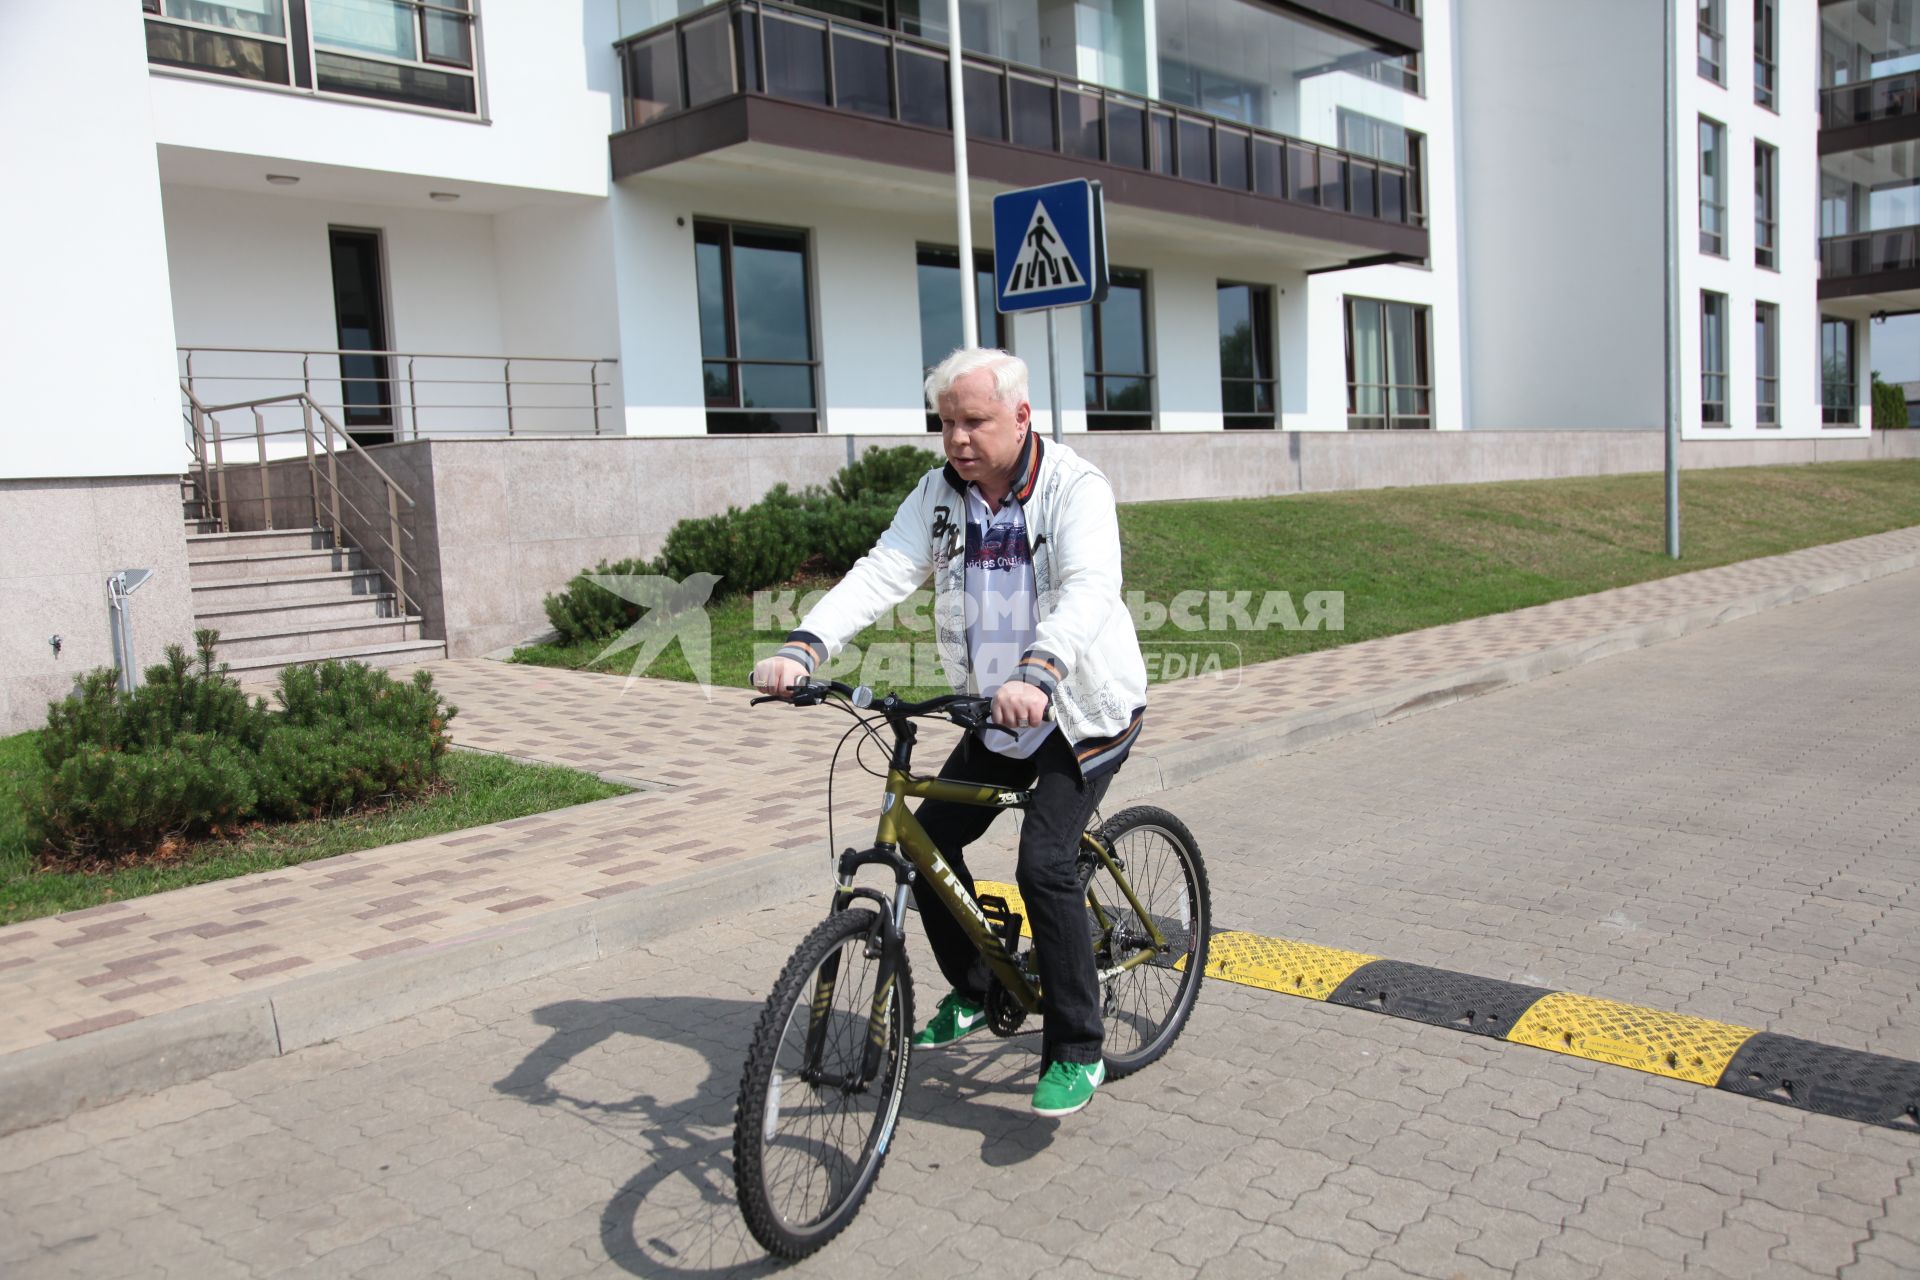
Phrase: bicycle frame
x=903 y=845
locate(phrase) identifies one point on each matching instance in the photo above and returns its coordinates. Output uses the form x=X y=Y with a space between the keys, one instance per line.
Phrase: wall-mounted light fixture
x=282 y=179
x=444 y=197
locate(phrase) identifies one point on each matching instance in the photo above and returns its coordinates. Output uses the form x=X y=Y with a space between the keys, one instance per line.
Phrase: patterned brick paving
x=721 y=782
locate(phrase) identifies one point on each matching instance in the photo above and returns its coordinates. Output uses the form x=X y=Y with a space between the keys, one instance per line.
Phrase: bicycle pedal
x=1003 y=918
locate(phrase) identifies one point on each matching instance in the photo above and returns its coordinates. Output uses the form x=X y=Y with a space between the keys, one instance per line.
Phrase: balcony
x=753 y=71
x=1871 y=113
x=412 y=53
x=1881 y=267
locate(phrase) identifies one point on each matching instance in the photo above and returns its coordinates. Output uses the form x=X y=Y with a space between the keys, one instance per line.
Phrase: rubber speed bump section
x=1274 y=964
x=1825 y=1078
x=1676 y=1045
x=1438 y=997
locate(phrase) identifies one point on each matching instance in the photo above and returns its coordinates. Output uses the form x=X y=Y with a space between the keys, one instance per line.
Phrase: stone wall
x=59 y=540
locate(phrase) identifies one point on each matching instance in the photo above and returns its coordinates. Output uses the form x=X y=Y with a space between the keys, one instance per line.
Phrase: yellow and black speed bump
x=1822 y=1078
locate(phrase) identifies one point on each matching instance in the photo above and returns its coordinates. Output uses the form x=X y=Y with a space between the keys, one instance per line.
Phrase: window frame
x=982 y=265
x=1390 y=419
x=1766 y=55
x=1100 y=417
x=720 y=409
x=1766 y=365
x=1713 y=307
x=1711 y=39
x=1415 y=163
x=1713 y=242
x=302 y=50
x=1260 y=307
x=1766 y=205
x=1846 y=414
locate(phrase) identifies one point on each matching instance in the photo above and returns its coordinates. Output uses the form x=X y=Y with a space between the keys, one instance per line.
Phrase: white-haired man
x=1023 y=542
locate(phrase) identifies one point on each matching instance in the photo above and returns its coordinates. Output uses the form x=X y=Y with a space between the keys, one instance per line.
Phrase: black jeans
x=1049 y=840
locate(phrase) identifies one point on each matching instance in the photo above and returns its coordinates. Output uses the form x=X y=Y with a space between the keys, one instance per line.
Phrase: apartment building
x=406 y=272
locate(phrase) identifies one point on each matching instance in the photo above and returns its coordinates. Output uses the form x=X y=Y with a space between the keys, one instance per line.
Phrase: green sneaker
x=1066 y=1087
x=956 y=1017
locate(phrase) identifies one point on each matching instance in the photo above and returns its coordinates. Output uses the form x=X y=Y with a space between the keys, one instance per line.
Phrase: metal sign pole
x=957 y=113
x=1053 y=378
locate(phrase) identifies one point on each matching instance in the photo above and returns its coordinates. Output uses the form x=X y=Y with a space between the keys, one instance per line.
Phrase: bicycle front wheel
x=811 y=1128
x=1144 y=1004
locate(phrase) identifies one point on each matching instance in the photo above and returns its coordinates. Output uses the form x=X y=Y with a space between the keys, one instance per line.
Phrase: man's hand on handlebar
x=1019 y=705
x=778 y=676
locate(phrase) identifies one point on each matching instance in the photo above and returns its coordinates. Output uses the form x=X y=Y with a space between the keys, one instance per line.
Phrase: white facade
x=503 y=234
x=1567 y=218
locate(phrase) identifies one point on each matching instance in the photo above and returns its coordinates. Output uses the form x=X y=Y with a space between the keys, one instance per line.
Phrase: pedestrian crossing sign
x=1049 y=246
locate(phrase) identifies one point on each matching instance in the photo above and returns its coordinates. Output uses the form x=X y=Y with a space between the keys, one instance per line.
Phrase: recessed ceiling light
x=282 y=179
x=443 y=196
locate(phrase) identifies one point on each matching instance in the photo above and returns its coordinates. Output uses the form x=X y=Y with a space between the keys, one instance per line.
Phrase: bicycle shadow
x=677 y=1215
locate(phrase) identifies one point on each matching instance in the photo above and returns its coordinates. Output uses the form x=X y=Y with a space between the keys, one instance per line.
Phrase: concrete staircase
x=288 y=596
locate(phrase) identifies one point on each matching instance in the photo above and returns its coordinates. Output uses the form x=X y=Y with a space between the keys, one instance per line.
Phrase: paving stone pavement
x=1726 y=825
x=710 y=799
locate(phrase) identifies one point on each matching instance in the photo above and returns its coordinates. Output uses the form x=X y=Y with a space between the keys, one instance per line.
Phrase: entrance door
x=360 y=314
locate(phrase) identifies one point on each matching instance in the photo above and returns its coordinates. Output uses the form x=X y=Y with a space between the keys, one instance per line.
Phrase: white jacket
x=1085 y=655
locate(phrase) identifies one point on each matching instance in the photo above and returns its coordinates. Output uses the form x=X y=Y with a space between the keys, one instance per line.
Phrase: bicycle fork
x=890 y=943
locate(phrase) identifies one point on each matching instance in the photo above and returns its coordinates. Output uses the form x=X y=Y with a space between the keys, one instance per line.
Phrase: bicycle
x=820 y=1095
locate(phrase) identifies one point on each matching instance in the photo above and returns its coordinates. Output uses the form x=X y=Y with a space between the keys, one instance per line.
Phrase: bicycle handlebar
x=966 y=710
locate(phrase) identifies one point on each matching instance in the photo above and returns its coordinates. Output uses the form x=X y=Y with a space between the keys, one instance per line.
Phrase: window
x=1246 y=356
x=1113 y=345
x=1382 y=140
x=1766 y=364
x=1713 y=39
x=360 y=325
x=1766 y=206
x=1713 y=359
x=940 y=329
x=1839 y=394
x=1713 y=190
x=416 y=52
x=1397 y=73
x=1389 y=379
x=756 y=332
x=1766 y=30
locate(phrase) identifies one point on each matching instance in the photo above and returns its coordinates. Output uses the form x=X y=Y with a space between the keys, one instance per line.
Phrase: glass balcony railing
x=1870 y=252
x=756 y=47
x=1870 y=100
x=419 y=53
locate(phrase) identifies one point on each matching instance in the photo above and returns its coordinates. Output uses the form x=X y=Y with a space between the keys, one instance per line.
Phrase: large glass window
x=1766 y=33
x=1766 y=364
x=1114 y=350
x=1713 y=40
x=1839 y=392
x=756 y=329
x=1383 y=140
x=1713 y=359
x=941 y=332
x=1389 y=363
x=1246 y=356
x=1766 y=206
x=1713 y=187
x=1242 y=60
x=418 y=52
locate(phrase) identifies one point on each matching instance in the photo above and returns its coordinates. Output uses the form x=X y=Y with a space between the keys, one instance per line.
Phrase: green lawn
x=481 y=789
x=1413 y=558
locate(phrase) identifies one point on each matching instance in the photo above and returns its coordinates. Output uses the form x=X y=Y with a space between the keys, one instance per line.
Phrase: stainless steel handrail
x=208 y=446
x=405 y=411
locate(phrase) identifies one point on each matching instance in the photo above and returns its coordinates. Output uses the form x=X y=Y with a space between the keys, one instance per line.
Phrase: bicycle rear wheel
x=809 y=1136
x=1145 y=1006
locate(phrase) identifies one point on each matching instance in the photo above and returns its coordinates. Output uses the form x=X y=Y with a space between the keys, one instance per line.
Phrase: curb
x=52 y=1081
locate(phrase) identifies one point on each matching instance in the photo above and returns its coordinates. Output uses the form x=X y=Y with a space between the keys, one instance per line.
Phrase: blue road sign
x=1049 y=246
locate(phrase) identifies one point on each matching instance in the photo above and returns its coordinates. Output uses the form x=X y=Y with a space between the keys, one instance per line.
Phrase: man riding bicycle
x=1023 y=543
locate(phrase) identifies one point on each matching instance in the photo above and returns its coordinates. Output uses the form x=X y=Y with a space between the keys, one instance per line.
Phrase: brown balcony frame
x=681 y=102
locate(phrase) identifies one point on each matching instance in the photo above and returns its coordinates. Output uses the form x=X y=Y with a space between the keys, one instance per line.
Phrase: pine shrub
x=188 y=753
x=1889 y=405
